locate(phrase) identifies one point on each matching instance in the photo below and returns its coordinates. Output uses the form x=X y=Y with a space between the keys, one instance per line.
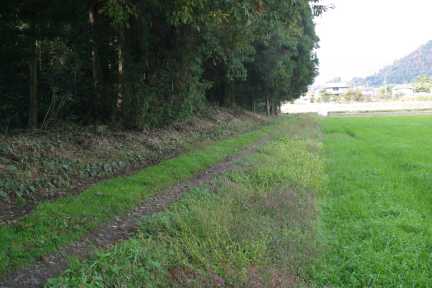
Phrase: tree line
x=140 y=63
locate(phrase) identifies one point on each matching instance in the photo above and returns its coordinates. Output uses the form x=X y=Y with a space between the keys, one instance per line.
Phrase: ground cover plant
x=375 y=212
x=54 y=224
x=35 y=166
x=252 y=227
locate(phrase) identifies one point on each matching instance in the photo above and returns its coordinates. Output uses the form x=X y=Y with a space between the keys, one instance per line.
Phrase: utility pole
x=385 y=84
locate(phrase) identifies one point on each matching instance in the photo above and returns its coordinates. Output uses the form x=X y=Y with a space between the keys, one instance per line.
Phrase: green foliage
x=386 y=92
x=119 y=12
x=284 y=63
x=423 y=84
x=354 y=96
x=148 y=63
x=325 y=97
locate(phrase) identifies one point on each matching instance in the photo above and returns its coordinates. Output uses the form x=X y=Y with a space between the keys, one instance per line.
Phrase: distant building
x=336 y=89
x=403 y=90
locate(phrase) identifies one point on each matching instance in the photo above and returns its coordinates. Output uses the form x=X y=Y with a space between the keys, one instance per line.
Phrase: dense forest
x=136 y=63
x=405 y=70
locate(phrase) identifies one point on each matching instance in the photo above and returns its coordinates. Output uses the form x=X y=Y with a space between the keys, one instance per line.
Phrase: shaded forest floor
x=46 y=165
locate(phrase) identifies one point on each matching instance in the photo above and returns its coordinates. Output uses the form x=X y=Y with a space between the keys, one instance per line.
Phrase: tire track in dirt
x=121 y=228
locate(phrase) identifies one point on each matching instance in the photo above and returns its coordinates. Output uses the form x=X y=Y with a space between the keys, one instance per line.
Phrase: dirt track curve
x=122 y=228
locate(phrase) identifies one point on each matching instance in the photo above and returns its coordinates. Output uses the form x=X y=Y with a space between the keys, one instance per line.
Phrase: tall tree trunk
x=273 y=108
x=229 y=95
x=268 y=105
x=96 y=70
x=34 y=101
x=277 y=109
x=251 y=101
x=120 y=75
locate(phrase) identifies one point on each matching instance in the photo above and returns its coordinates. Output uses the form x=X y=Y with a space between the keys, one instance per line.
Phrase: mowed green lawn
x=376 y=211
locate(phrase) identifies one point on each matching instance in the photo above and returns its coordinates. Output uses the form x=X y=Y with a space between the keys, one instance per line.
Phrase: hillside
x=404 y=70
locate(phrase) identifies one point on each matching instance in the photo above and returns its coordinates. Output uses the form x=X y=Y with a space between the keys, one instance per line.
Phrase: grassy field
x=252 y=227
x=334 y=202
x=375 y=225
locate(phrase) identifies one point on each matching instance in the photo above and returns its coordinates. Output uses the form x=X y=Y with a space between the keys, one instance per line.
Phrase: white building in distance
x=336 y=89
x=403 y=90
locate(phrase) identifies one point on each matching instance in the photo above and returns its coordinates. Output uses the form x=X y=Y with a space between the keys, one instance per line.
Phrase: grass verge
x=55 y=224
x=252 y=227
x=375 y=212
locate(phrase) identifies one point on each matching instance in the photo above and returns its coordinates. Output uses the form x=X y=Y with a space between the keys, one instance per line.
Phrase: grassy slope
x=57 y=223
x=250 y=228
x=375 y=216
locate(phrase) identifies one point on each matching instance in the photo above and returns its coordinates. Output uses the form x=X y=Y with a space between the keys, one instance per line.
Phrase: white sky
x=359 y=37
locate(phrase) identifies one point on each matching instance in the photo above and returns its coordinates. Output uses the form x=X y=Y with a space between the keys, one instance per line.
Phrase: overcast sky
x=359 y=37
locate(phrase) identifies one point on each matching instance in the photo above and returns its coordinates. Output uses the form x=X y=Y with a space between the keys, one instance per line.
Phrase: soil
x=122 y=228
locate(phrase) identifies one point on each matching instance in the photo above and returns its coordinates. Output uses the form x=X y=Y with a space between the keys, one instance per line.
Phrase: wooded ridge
x=404 y=70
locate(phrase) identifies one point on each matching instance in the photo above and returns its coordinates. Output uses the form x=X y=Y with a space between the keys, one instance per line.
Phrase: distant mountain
x=404 y=70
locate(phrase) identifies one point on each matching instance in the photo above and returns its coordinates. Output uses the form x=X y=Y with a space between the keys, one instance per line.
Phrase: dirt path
x=122 y=228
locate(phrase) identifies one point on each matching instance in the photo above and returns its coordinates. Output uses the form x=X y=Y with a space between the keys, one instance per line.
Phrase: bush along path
x=252 y=226
x=55 y=231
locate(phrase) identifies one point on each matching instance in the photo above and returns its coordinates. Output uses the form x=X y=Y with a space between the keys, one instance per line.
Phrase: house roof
x=337 y=85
